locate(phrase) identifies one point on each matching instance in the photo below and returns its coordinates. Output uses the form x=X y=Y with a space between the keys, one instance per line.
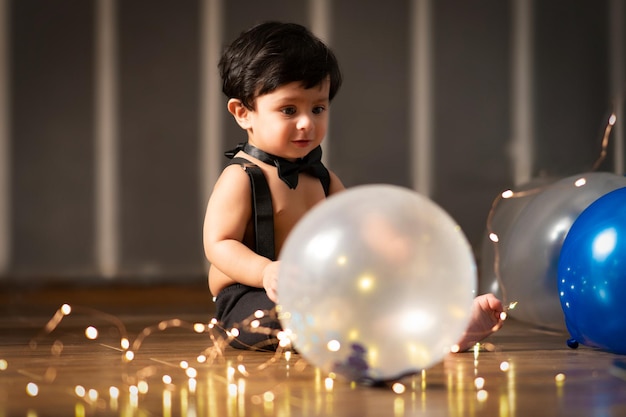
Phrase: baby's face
x=290 y=121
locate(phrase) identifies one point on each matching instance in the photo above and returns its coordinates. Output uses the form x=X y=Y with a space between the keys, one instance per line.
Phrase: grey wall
x=50 y=203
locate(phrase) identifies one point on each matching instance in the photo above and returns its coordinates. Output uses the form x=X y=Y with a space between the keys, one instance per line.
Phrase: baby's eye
x=289 y=111
x=318 y=109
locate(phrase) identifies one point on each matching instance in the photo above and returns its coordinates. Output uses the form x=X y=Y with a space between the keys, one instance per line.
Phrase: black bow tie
x=287 y=170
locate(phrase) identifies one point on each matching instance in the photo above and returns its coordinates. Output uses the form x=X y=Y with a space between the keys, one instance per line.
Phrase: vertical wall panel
x=5 y=129
x=572 y=80
x=370 y=126
x=106 y=140
x=472 y=105
x=159 y=99
x=169 y=149
x=52 y=130
x=211 y=102
x=617 y=48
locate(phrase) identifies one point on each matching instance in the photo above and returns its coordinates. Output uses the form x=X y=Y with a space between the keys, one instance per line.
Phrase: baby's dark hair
x=272 y=54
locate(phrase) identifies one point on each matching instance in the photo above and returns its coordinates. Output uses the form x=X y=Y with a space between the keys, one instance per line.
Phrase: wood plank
x=241 y=383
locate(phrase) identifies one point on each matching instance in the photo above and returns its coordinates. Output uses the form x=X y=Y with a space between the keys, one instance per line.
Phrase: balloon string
x=495 y=239
x=605 y=141
x=518 y=194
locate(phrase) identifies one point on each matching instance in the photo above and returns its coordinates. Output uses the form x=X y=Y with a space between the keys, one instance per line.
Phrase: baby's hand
x=270 y=280
x=486 y=318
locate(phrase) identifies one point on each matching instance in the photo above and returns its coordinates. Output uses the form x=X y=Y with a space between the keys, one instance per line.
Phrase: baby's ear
x=240 y=112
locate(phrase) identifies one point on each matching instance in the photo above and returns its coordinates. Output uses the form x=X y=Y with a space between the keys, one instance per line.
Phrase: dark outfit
x=237 y=303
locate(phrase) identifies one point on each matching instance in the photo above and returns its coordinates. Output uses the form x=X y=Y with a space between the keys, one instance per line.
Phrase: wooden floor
x=49 y=367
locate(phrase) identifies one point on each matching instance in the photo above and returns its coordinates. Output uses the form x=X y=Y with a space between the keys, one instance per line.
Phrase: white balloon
x=375 y=283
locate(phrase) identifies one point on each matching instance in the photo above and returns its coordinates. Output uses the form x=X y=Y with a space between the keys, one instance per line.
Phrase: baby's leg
x=237 y=310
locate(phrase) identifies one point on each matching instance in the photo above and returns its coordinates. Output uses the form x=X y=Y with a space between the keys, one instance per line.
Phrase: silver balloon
x=503 y=217
x=376 y=282
x=529 y=257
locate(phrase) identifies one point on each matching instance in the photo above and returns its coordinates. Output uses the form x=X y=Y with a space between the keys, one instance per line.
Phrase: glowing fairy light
x=91 y=333
x=129 y=355
x=92 y=395
x=234 y=332
x=559 y=378
x=201 y=359
x=612 y=119
x=142 y=387
x=580 y=182
x=482 y=395
x=494 y=237
x=3 y=365
x=133 y=397
x=114 y=393
x=242 y=369
x=184 y=364
x=398 y=388
x=283 y=335
x=259 y=314
x=199 y=327
x=329 y=383
x=366 y=283
x=191 y=373
x=288 y=355
x=80 y=391
x=479 y=383
x=166 y=379
x=133 y=390
x=507 y=194
x=66 y=309
x=504 y=366
x=255 y=324
x=230 y=373
x=333 y=345
x=503 y=315
x=455 y=348
x=284 y=340
x=192 y=383
x=32 y=389
x=124 y=343
x=232 y=390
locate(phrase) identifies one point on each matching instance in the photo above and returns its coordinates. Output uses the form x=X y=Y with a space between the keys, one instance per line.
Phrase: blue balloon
x=592 y=275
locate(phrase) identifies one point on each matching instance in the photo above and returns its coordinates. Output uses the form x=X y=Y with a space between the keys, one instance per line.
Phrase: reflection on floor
x=66 y=352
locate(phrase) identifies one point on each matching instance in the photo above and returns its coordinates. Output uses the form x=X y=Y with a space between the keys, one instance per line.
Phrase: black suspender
x=262 y=209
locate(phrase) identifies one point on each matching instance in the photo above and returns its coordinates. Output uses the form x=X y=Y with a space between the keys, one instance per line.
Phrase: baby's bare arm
x=227 y=216
x=486 y=318
x=335 y=184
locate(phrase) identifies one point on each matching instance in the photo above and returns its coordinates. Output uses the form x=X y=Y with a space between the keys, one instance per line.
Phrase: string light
x=80 y=391
x=236 y=370
x=507 y=194
x=398 y=388
x=91 y=333
x=32 y=389
x=114 y=393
